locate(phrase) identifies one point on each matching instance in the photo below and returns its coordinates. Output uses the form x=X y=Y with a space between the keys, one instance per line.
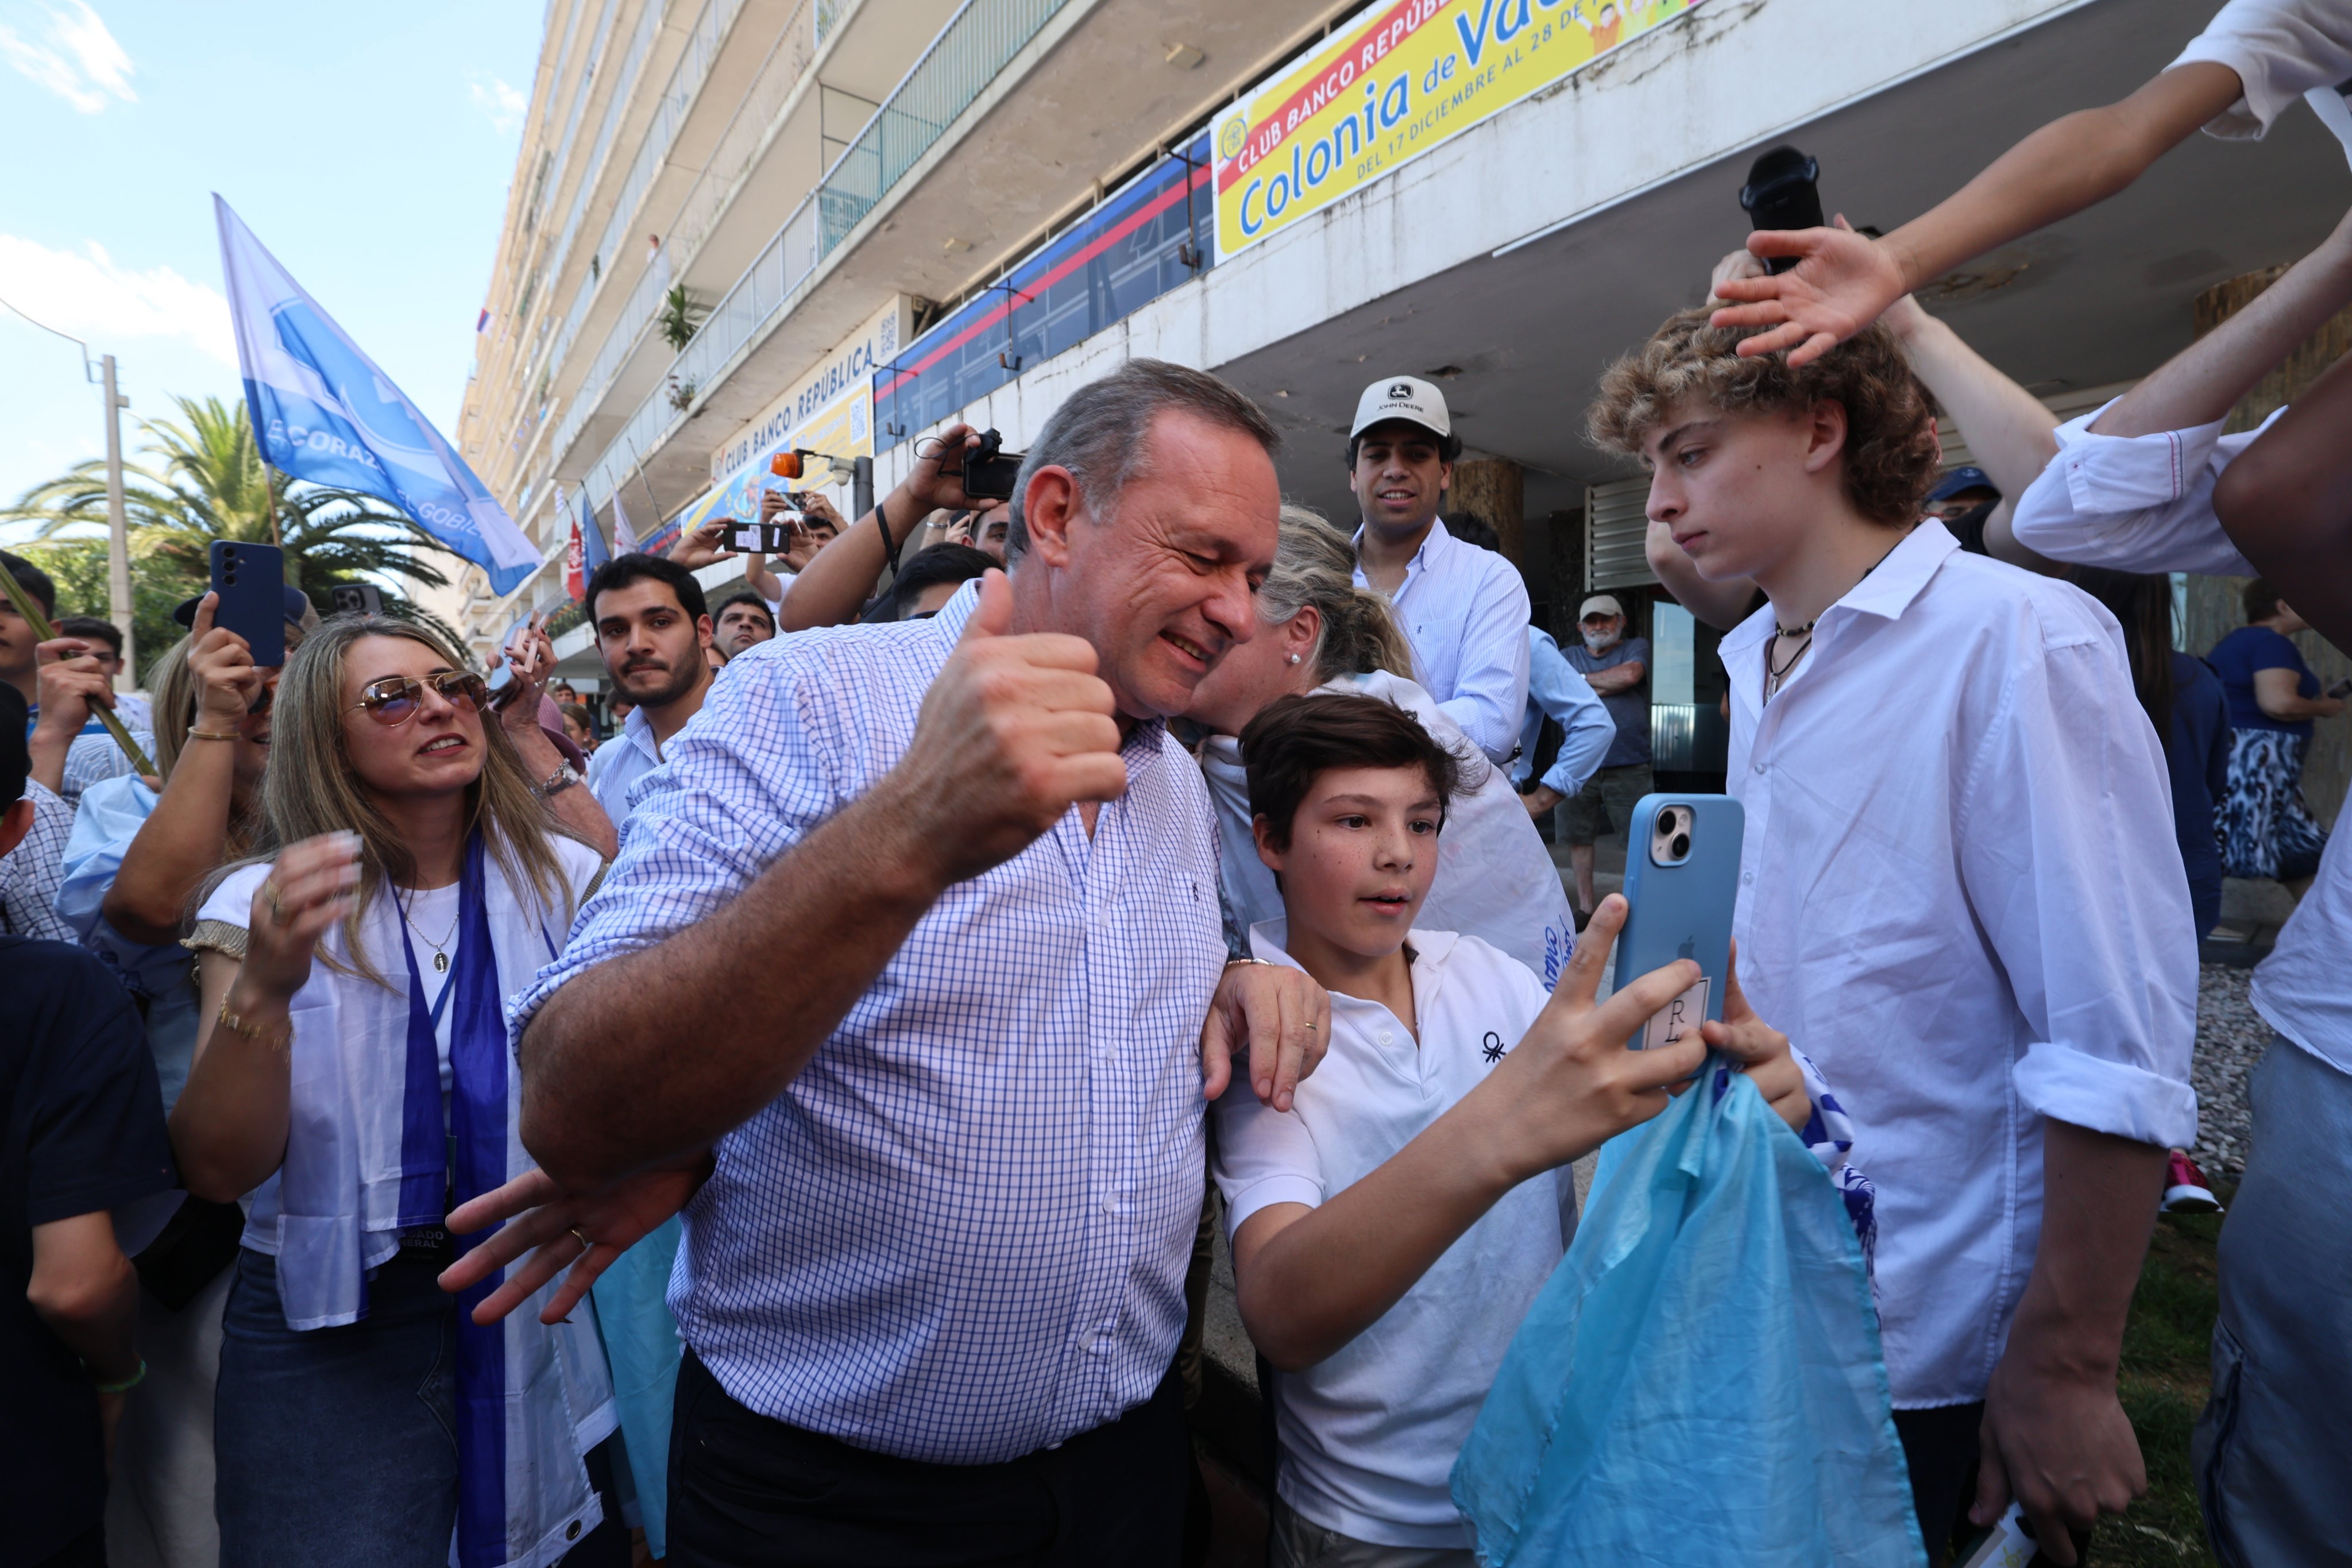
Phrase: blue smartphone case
x=1684 y=910
x=251 y=582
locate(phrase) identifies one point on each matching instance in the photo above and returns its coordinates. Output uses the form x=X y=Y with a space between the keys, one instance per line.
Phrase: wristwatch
x=564 y=776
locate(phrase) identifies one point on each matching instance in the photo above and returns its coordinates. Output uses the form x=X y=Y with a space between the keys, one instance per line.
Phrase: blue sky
x=369 y=147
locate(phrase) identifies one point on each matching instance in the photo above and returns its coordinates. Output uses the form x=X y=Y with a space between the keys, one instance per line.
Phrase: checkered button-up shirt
x=29 y=873
x=961 y=1234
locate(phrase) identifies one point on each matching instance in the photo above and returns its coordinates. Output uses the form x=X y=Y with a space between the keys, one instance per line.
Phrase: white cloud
x=503 y=104
x=88 y=295
x=74 y=57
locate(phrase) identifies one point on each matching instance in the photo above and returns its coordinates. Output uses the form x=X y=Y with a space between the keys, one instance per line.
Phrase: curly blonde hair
x=1891 y=452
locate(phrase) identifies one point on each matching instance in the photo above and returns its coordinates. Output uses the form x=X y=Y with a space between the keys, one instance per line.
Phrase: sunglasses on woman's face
x=394 y=699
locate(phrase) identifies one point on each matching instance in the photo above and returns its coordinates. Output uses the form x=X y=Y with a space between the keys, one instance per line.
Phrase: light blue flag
x=323 y=411
x=592 y=553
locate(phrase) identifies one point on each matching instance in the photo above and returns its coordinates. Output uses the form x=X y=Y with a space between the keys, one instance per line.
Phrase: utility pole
x=118 y=534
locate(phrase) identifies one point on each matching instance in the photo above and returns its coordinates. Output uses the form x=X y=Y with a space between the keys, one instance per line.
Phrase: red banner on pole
x=573 y=583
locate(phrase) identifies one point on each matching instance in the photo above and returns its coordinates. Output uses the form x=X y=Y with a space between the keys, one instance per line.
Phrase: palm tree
x=205 y=480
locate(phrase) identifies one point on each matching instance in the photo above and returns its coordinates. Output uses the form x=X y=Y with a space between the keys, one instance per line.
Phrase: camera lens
x=1665 y=821
x=1681 y=845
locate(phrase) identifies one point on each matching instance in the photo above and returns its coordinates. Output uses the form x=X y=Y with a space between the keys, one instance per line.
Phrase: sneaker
x=2185 y=1191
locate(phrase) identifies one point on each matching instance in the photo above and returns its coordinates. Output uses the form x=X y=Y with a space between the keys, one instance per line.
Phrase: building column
x=1495 y=490
x=2213 y=606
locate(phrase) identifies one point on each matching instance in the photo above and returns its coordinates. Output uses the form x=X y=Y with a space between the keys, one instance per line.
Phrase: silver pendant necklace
x=440 y=954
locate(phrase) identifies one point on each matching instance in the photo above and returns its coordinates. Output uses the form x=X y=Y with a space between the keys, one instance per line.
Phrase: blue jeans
x=2273 y=1449
x=337 y=1448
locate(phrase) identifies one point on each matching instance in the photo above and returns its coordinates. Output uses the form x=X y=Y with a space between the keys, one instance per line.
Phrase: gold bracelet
x=282 y=1043
x=212 y=735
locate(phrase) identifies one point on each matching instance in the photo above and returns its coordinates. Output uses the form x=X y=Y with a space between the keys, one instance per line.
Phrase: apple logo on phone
x=1689 y=949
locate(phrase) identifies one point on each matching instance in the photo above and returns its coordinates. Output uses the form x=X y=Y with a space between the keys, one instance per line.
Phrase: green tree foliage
x=202 y=478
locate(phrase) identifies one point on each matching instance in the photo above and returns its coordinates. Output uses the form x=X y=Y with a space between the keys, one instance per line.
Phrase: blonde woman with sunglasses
x=353 y=1077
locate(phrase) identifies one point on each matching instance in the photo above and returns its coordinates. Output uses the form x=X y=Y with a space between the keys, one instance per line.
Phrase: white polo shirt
x=1960 y=894
x=1465 y=613
x=621 y=762
x=2145 y=503
x=1370 y=1435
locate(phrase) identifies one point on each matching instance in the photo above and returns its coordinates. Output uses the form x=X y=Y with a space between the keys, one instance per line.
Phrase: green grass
x=2164 y=1374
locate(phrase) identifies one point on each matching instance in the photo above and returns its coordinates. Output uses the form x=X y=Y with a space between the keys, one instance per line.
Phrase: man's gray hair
x=1100 y=435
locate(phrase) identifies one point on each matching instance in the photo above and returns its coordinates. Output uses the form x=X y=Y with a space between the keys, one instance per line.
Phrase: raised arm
x=186 y=835
x=1309 y=1279
x=1841 y=282
x=2286 y=502
x=2008 y=428
x=531 y=660
x=842 y=578
x=2204 y=381
x=660 y=1050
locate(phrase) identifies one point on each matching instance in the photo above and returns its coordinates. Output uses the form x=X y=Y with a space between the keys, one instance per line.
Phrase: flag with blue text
x=323 y=411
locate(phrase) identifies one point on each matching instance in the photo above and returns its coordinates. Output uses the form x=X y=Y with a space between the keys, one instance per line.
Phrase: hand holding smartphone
x=1681 y=880
x=251 y=582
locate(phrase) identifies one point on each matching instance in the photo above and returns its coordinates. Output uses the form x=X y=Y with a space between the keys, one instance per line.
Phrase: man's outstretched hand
x=1280 y=1015
x=1842 y=282
x=548 y=1223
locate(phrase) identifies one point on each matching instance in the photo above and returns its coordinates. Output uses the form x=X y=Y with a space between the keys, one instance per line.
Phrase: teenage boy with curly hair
x=1959 y=894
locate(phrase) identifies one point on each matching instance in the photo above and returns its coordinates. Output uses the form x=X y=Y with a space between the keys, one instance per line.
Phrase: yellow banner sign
x=1397 y=79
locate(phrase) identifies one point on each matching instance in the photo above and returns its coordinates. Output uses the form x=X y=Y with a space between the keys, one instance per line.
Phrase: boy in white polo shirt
x=1393 y=1228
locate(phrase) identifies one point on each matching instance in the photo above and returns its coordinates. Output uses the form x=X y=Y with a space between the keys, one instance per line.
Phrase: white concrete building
x=902 y=212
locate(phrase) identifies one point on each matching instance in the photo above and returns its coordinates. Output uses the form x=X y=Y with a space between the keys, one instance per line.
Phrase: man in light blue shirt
x=906 y=974
x=1462 y=608
x=653 y=632
x=1556 y=691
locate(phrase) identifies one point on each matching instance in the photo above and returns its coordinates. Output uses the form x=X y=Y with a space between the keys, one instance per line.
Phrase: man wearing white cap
x=1616 y=664
x=1464 y=609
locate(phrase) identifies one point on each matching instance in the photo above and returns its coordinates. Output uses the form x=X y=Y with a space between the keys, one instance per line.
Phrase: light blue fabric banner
x=323 y=411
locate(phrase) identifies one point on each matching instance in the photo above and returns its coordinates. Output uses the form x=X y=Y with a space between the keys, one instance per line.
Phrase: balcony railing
x=977 y=43
x=677 y=95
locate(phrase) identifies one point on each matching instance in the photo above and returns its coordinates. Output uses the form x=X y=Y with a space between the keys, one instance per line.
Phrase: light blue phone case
x=1685 y=910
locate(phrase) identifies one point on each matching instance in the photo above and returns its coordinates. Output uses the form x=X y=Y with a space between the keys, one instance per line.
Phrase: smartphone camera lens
x=1681 y=845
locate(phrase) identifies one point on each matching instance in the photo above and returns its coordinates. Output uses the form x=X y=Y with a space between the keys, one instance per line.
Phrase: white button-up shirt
x=2145 y=503
x=1557 y=691
x=1959 y=894
x=1466 y=612
x=2133 y=503
x=960 y=1233
x=621 y=762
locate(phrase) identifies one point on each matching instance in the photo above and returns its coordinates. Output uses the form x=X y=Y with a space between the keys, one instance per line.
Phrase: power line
x=55 y=333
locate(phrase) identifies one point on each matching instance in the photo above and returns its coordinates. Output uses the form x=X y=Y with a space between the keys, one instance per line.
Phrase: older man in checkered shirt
x=916 y=930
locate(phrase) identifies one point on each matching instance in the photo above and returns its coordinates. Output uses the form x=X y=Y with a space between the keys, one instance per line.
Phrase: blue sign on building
x=1152 y=235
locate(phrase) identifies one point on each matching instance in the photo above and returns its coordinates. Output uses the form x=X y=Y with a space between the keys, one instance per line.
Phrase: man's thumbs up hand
x=1013 y=732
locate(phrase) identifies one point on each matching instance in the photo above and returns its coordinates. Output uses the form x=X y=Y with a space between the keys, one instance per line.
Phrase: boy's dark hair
x=2260 y=599
x=33 y=580
x=1293 y=741
x=932 y=566
x=1891 y=453
x=1470 y=529
x=623 y=570
x=745 y=596
x=1449 y=445
x=92 y=629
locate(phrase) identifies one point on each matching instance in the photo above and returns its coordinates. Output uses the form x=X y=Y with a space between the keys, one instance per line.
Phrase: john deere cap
x=1403 y=397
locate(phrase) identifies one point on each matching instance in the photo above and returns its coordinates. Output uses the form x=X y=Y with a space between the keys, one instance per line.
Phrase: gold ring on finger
x=585 y=1244
x=277 y=909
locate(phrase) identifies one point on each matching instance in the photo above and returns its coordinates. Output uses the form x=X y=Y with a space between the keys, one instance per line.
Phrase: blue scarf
x=466 y=1161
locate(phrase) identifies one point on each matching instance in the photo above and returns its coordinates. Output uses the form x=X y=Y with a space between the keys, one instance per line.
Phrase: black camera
x=361 y=599
x=1780 y=193
x=989 y=470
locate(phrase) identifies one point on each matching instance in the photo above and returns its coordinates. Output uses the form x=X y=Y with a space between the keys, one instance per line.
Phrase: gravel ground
x=2231 y=1039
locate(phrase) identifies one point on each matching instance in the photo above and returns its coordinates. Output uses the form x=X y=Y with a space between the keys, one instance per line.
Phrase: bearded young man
x=1958 y=888
x=653 y=632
